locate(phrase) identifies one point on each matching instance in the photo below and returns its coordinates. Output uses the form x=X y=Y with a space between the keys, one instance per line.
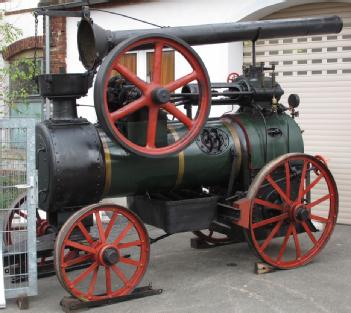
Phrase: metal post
x=47 y=59
x=32 y=203
x=253 y=52
x=2 y=285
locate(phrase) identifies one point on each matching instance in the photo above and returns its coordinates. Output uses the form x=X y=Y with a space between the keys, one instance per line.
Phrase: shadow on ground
x=222 y=280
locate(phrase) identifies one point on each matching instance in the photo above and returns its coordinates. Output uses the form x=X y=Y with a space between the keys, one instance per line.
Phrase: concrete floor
x=222 y=280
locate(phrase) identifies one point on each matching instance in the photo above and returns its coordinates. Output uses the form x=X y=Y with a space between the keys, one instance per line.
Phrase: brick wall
x=58 y=45
x=21 y=46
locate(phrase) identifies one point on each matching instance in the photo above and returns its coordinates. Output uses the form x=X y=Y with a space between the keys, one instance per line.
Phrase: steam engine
x=242 y=173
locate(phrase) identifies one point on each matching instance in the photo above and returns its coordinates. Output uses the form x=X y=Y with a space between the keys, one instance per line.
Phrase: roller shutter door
x=318 y=68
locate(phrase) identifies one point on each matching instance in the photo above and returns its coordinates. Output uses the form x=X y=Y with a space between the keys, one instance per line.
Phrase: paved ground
x=221 y=280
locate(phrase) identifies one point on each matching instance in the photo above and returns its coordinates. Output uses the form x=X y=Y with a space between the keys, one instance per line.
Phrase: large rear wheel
x=294 y=206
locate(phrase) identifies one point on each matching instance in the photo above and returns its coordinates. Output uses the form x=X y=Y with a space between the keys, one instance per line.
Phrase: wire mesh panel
x=18 y=202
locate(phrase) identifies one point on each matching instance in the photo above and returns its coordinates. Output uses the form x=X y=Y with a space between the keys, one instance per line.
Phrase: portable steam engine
x=243 y=176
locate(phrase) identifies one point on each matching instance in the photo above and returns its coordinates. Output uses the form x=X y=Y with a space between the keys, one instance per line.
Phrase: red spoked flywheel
x=101 y=252
x=294 y=206
x=155 y=96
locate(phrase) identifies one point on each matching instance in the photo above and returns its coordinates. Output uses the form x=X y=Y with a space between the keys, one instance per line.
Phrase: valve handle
x=232 y=76
x=155 y=96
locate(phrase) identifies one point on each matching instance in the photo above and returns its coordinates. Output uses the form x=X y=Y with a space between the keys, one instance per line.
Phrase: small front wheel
x=101 y=252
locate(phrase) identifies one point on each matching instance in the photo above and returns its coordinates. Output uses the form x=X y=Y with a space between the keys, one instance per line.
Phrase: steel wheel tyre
x=292 y=229
x=116 y=255
x=154 y=95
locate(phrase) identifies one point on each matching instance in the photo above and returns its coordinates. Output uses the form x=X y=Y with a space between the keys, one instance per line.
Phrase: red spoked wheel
x=16 y=221
x=101 y=252
x=291 y=226
x=232 y=76
x=155 y=97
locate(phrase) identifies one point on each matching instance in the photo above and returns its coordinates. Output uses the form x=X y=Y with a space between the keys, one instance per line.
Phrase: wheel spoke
x=93 y=282
x=319 y=218
x=111 y=224
x=85 y=232
x=287 y=179
x=285 y=243
x=128 y=109
x=108 y=280
x=309 y=233
x=129 y=261
x=268 y=204
x=271 y=235
x=297 y=242
x=172 y=109
x=130 y=76
x=99 y=226
x=156 y=73
x=152 y=127
x=80 y=246
x=172 y=86
x=314 y=183
x=123 y=233
x=77 y=260
x=318 y=201
x=120 y=274
x=125 y=245
x=278 y=189
x=302 y=181
x=22 y=214
x=85 y=274
x=270 y=220
x=70 y=255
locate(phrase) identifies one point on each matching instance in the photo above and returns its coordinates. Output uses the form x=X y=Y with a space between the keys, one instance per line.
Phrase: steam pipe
x=94 y=42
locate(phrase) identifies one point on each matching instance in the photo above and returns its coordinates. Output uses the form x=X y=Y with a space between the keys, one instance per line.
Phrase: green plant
x=16 y=78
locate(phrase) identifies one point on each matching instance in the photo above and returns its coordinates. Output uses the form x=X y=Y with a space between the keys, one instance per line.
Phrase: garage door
x=318 y=68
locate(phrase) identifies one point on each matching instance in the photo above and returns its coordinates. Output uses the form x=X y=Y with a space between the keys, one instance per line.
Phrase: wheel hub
x=108 y=255
x=298 y=213
x=160 y=95
x=301 y=213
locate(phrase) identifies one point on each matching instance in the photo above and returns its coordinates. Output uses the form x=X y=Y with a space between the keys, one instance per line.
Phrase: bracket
x=83 y=13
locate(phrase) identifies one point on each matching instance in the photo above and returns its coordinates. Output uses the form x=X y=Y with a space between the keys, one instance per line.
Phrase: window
x=20 y=71
x=167 y=74
x=27 y=101
x=129 y=60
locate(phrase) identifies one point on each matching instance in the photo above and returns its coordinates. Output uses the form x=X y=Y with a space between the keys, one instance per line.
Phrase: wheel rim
x=292 y=229
x=147 y=100
x=109 y=272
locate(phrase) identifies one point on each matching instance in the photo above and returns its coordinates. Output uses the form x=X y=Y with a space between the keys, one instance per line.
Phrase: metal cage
x=18 y=203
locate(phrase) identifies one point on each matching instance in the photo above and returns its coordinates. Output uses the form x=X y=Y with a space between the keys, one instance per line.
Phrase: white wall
x=14 y=5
